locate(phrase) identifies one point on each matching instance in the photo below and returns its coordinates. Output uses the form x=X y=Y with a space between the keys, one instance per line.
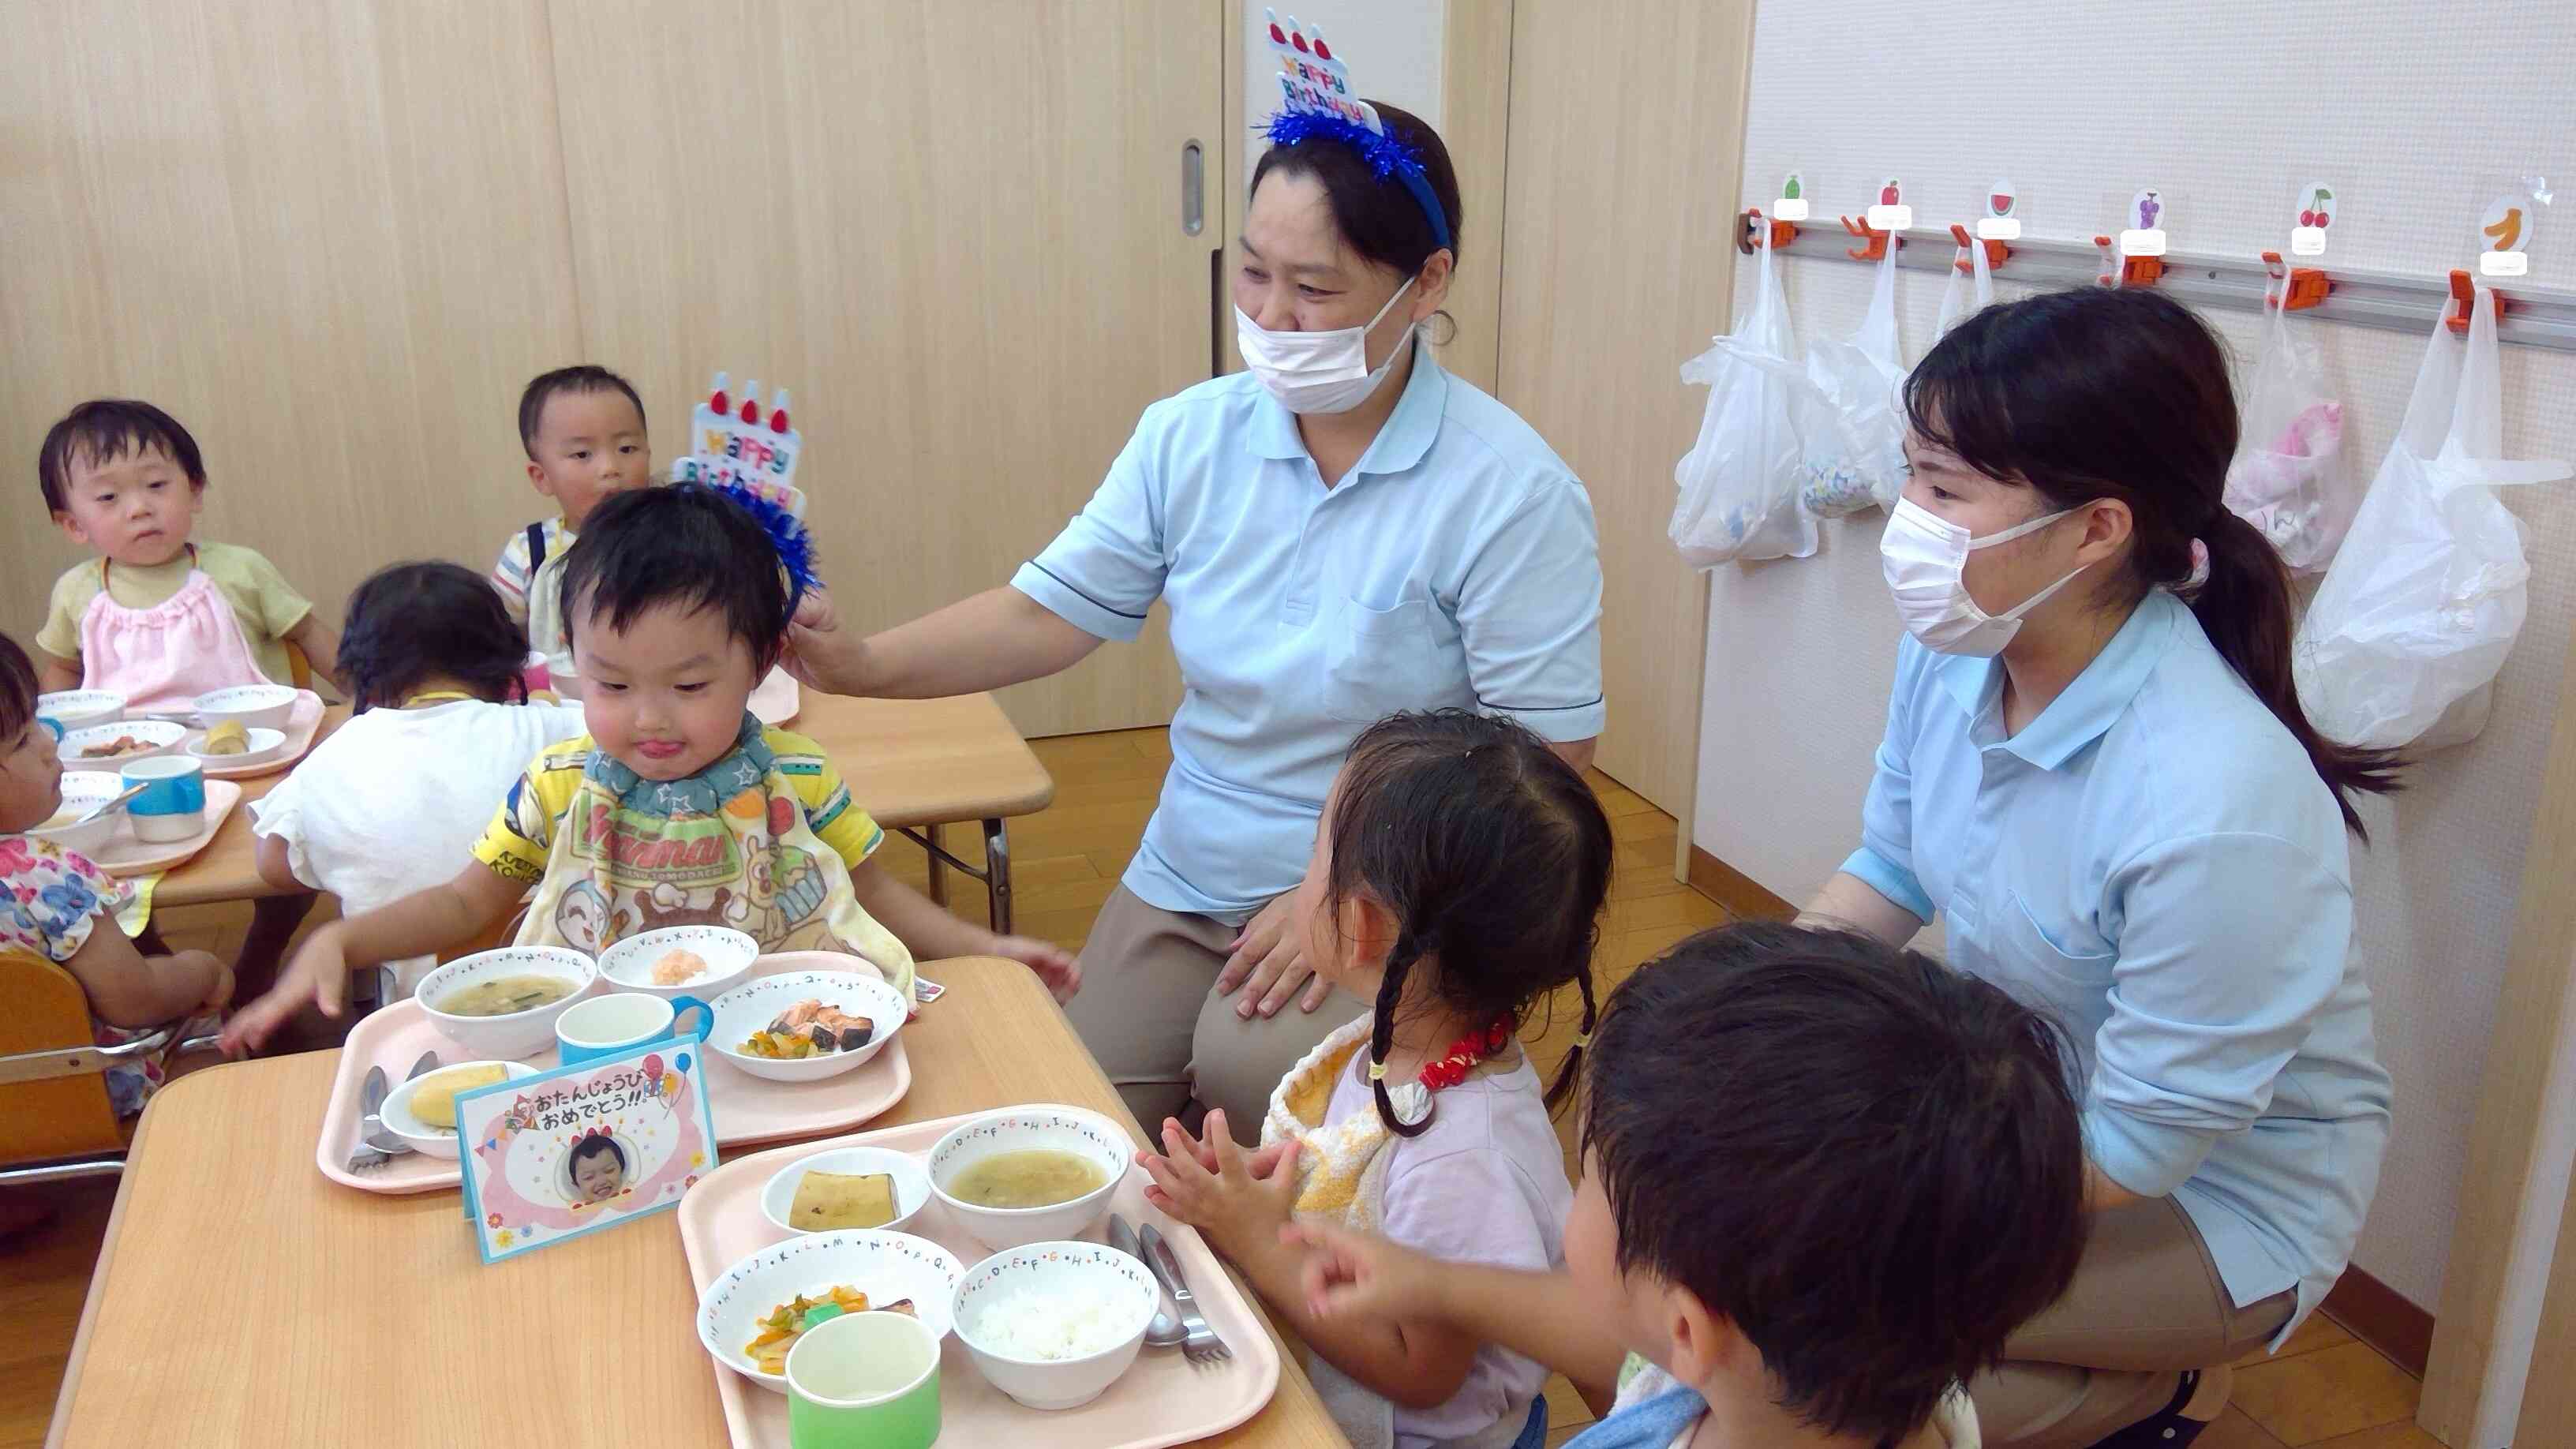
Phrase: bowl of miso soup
x=1030 y=1174
x=501 y=1005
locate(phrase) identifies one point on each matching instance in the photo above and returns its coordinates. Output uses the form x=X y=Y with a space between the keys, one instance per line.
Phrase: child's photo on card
x=584 y=1147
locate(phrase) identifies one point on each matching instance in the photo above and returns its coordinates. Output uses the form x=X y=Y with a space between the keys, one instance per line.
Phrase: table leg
x=997 y=873
x=938 y=865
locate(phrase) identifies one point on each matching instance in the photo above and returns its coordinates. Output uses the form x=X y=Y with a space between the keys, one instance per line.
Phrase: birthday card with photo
x=551 y=1157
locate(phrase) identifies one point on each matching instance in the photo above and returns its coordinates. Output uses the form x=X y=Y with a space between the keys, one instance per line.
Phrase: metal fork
x=1202 y=1347
x=376 y=1146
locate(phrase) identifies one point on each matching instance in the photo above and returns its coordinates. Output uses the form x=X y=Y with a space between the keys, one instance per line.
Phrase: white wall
x=1393 y=50
x=2227 y=109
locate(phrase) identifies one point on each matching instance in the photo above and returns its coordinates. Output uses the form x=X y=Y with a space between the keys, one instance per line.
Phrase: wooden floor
x=2324 y=1390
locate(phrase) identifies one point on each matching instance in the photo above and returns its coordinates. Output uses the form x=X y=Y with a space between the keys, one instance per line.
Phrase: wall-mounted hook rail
x=2393 y=301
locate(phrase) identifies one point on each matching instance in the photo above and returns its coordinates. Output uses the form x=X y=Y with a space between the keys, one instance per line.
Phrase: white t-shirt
x=1953 y=1426
x=394 y=800
x=1485 y=1183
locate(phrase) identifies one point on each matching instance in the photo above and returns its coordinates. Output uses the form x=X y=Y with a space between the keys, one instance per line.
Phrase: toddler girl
x=678 y=807
x=1458 y=872
x=394 y=798
x=54 y=902
x=156 y=617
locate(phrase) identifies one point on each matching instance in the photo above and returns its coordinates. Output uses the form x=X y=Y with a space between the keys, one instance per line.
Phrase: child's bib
x=165 y=656
x=728 y=846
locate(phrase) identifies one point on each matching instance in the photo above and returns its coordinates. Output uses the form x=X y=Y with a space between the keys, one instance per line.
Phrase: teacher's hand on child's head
x=319 y=975
x=818 y=651
x=1360 y=1275
x=1269 y=964
x=1055 y=965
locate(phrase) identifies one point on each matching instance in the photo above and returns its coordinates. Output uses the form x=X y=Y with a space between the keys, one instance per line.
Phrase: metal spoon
x=117 y=803
x=1165 y=1331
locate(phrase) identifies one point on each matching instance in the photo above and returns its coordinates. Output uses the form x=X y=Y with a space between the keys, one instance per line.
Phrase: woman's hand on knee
x=1269 y=964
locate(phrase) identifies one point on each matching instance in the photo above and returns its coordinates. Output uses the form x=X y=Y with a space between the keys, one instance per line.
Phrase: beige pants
x=2147 y=1303
x=1149 y=1011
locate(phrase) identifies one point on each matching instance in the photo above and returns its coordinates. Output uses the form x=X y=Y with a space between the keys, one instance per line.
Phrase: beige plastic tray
x=747 y=1109
x=301 y=725
x=1161 y=1400
x=125 y=855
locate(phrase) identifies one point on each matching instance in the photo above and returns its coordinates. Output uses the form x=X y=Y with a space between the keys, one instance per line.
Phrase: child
x=598 y=1168
x=57 y=904
x=157 y=618
x=583 y=428
x=678 y=807
x=1823 y=1180
x=393 y=799
x=1458 y=870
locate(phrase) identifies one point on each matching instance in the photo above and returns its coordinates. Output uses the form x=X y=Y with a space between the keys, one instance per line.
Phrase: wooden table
x=242 y=1298
x=913 y=764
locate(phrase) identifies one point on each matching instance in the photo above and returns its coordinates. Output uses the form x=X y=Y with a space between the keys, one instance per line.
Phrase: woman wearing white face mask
x=1340 y=531
x=2097 y=772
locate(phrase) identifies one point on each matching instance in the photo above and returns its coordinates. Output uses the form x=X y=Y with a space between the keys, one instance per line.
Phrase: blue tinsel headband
x=1386 y=156
x=787 y=535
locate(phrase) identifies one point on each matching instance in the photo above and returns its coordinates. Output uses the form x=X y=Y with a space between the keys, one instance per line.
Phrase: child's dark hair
x=413 y=622
x=1871 y=1165
x=688 y=545
x=1493 y=856
x=542 y=388
x=106 y=429
x=18 y=690
x=2123 y=393
x=592 y=1147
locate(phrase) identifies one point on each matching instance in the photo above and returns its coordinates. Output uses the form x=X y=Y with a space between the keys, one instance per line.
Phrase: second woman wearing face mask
x=2097 y=773
x=1339 y=532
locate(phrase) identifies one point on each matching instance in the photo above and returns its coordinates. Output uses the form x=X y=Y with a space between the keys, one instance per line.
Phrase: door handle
x=1193 y=189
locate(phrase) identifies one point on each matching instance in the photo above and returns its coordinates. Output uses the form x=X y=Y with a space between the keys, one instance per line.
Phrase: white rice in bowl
x=1050 y=1327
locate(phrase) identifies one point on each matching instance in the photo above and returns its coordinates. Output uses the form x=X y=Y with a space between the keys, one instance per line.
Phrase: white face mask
x=1926 y=556
x=1317 y=372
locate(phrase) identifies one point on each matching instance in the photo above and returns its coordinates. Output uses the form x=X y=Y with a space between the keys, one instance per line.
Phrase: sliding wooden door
x=953 y=227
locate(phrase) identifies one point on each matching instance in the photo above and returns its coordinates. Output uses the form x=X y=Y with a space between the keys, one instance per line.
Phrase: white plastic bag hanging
x=1954 y=298
x=1739 y=482
x=2422 y=604
x=1858 y=461
x=2290 y=479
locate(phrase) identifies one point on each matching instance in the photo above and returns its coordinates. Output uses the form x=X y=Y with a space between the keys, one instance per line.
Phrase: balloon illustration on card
x=1791 y=204
x=2316 y=213
x=1999 y=223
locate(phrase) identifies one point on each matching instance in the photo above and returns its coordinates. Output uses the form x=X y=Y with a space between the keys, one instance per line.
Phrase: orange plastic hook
x=2464 y=295
x=1877 y=247
x=1782 y=232
x=1996 y=252
x=2301 y=287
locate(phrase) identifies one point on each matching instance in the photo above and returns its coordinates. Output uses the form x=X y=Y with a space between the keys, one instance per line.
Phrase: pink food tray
x=301 y=725
x=1162 y=1400
x=747 y=1109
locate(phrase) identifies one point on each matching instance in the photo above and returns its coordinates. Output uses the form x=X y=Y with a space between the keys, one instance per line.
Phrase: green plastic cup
x=864 y=1381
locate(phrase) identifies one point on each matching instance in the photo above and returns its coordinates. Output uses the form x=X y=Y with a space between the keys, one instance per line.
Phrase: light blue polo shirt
x=2155 y=861
x=1455 y=565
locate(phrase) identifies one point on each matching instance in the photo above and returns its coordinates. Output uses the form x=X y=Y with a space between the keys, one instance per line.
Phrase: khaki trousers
x=1149 y=1012
x=2147 y=1303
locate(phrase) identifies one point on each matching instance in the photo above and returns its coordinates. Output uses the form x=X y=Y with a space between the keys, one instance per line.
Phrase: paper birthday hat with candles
x=1320 y=105
x=732 y=445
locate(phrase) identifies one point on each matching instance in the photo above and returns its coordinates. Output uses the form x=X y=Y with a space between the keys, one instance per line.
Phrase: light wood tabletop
x=242 y=1298
x=909 y=762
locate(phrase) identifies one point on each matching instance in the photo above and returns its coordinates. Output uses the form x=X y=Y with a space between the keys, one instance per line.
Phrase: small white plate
x=264 y=745
x=426 y=1140
x=911 y=1183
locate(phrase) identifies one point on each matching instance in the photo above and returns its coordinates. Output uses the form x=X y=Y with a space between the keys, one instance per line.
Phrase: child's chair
x=55 y=1121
